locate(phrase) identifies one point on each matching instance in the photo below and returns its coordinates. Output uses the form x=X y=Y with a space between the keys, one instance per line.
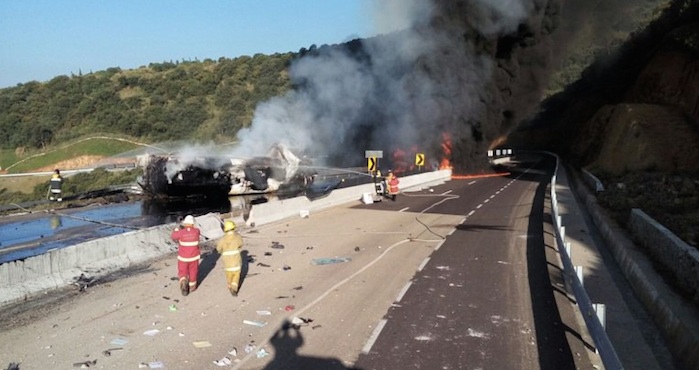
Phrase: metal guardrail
x=587 y=308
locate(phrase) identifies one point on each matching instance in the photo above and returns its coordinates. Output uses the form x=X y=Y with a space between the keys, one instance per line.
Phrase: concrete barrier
x=677 y=322
x=22 y=279
x=679 y=259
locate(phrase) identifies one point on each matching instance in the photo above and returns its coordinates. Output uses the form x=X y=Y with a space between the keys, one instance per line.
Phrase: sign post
x=372 y=157
x=419 y=160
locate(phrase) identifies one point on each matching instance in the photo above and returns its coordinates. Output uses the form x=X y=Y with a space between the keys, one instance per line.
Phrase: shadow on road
x=287 y=341
x=207 y=264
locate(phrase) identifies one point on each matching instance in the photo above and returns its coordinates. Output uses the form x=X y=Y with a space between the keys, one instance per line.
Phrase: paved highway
x=460 y=276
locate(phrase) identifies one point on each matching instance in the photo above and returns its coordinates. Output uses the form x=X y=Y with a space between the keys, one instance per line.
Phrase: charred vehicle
x=220 y=176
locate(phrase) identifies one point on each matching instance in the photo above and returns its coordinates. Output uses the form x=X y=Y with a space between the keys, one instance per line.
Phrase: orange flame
x=445 y=163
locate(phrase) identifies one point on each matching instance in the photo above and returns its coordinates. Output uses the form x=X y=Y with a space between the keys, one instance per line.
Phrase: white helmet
x=188 y=220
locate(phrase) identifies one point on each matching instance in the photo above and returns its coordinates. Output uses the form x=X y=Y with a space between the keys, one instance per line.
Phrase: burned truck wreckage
x=177 y=177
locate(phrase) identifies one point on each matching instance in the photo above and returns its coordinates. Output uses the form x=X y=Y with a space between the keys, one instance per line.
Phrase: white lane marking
x=486 y=201
x=479 y=206
x=492 y=196
x=442 y=242
x=342 y=282
x=472 y=182
x=374 y=336
x=449 y=233
x=469 y=214
x=423 y=264
x=446 y=192
x=403 y=291
x=404 y=209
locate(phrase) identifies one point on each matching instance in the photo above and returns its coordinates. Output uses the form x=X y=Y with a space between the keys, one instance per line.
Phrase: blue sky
x=43 y=39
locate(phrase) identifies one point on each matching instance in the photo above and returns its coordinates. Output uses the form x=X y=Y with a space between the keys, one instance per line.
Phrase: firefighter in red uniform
x=188 y=254
x=392 y=182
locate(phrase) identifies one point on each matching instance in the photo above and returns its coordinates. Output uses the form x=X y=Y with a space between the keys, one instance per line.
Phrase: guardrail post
x=579 y=273
x=601 y=311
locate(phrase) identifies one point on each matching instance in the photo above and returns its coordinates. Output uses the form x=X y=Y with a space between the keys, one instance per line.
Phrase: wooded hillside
x=199 y=100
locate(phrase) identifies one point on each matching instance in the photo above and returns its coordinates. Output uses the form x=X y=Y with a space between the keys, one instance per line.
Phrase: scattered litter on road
x=286 y=268
x=289 y=308
x=168 y=298
x=298 y=287
x=308 y=248
x=151 y=365
x=263 y=264
x=85 y=365
x=233 y=352
x=281 y=297
x=328 y=261
x=276 y=245
x=13 y=366
x=304 y=213
x=297 y=322
x=119 y=341
x=249 y=348
x=151 y=332
x=169 y=328
x=174 y=278
x=172 y=307
x=223 y=362
x=262 y=353
x=268 y=253
x=254 y=323
x=108 y=352
x=264 y=313
x=181 y=334
x=202 y=344
x=356 y=249
x=314 y=327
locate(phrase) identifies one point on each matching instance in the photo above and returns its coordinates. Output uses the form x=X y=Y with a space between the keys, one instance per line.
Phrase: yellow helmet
x=228 y=226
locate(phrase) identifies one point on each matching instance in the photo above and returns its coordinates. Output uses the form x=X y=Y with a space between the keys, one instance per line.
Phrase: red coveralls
x=188 y=254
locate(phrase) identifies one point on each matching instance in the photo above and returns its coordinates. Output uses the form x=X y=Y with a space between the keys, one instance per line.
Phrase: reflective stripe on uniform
x=188 y=259
x=189 y=244
x=237 y=268
x=230 y=253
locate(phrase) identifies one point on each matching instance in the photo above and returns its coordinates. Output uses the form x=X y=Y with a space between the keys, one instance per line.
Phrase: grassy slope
x=93 y=146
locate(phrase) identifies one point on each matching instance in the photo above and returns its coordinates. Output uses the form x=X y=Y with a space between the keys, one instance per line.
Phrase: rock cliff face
x=633 y=120
x=656 y=126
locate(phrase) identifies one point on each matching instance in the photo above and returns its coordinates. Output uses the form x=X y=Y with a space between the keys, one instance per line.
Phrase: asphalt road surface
x=460 y=276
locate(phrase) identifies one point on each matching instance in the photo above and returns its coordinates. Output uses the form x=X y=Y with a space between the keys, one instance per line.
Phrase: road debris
x=276 y=245
x=202 y=344
x=151 y=332
x=85 y=365
x=233 y=352
x=262 y=353
x=264 y=313
x=151 y=365
x=298 y=287
x=172 y=308
x=289 y=308
x=249 y=348
x=223 y=362
x=263 y=264
x=108 y=352
x=329 y=261
x=119 y=341
x=259 y=324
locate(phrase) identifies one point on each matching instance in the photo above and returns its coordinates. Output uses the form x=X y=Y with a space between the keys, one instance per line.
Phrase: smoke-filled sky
x=402 y=90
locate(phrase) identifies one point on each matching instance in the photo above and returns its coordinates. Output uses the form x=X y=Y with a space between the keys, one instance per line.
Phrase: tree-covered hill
x=199 y=100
